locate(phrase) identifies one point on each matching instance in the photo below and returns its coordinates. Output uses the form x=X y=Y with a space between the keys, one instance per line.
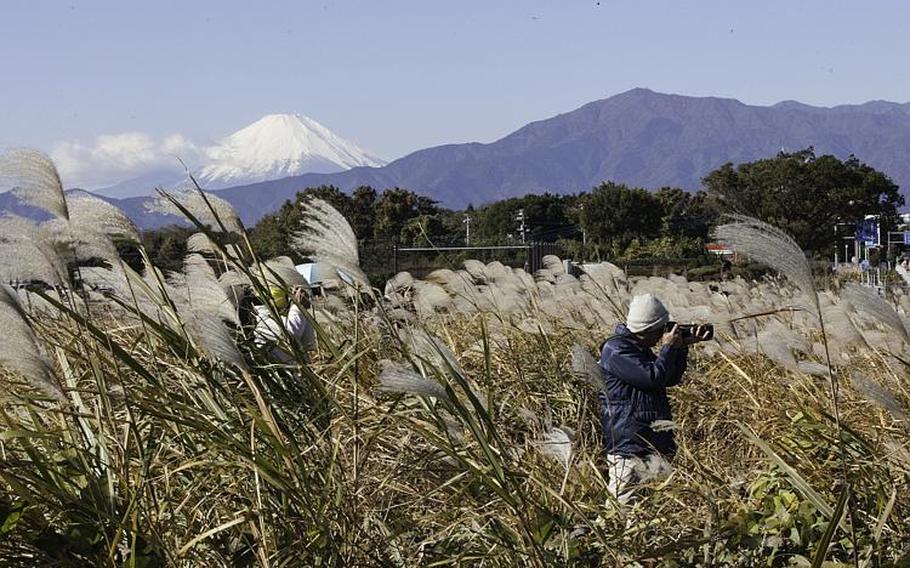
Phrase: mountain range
x=639 y=137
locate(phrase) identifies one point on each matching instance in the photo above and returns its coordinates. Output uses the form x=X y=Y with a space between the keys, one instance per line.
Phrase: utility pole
x=584 y=233
x=878 y=236
x=467 y=230
x=521 y=224
x=836 y=242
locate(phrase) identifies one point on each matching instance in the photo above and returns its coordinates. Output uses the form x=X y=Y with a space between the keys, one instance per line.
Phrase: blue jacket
x=636 y=394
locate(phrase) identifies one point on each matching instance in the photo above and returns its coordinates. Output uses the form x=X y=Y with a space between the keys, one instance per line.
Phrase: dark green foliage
x=396 y=215
x=801 y=193
x=166 y=247
x=420 y=230
x=394 y=211
x=363 y=200
x=547 y=218
x=613 y=215
x=272 y=236
x=805 y=195
x=685 y=214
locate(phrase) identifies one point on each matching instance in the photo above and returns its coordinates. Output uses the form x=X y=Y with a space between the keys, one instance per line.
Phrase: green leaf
x=11 y=517
x=796 y=479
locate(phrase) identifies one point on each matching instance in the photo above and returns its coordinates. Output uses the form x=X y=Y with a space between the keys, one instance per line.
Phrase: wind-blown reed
x=21 y=349
x=866 y=301
x=328 y=237
x=33 y=177
x=207 y=208
x=394 y=378
x=177 y=442
x=27 y=254
x=769 y=245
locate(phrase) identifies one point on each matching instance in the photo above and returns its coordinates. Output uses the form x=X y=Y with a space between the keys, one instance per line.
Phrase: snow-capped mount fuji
x=274 y=147
x=278 y=146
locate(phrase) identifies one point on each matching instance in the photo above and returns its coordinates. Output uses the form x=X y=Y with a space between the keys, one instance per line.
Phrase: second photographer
x=637 y=427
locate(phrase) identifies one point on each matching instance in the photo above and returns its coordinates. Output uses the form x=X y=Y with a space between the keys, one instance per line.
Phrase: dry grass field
x=451 y=421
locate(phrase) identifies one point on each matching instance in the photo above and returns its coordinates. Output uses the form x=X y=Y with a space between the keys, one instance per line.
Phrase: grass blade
x=799 y=482
x=821 y=550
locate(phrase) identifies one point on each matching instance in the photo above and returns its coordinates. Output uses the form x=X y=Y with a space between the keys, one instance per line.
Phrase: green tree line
x=800 y=192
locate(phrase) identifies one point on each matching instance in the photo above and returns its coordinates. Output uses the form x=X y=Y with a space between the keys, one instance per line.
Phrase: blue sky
x=396 y=76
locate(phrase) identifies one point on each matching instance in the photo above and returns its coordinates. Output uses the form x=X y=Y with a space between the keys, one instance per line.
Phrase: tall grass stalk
x=773 y=247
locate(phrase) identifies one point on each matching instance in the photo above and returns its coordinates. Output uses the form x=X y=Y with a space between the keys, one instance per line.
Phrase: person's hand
x=672 y=338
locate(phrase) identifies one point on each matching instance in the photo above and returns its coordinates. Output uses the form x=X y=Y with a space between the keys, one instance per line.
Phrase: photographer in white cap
x=637 y=427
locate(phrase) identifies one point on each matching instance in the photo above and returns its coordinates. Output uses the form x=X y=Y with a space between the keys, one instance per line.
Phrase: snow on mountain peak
x=280 y=145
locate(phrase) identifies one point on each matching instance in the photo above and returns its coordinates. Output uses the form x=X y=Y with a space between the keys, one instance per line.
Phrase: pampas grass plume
x=328 y=237
x=771 y=246
x=208 y=209
x=20 y=350
x=26 y=254
x=34 y=179
x=585 y=367
x=556 y=444
x=866 y=301
x=394 y=378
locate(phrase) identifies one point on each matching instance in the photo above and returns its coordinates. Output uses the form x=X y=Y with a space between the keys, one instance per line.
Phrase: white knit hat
x=646 y=313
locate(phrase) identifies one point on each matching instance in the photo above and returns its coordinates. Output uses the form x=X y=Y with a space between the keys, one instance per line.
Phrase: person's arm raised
x=634 y=367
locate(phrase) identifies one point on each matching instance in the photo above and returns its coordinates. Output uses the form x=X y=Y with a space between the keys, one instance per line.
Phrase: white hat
x=646 y=313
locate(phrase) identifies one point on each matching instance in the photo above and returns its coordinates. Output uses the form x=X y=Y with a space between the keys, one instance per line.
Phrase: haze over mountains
x=639 y=137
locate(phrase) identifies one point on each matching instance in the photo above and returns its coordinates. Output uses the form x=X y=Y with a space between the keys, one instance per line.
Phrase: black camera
x=686 y=330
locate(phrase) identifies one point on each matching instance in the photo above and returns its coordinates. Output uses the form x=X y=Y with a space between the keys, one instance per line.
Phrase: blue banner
x=907 y=238
x=867 y=231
